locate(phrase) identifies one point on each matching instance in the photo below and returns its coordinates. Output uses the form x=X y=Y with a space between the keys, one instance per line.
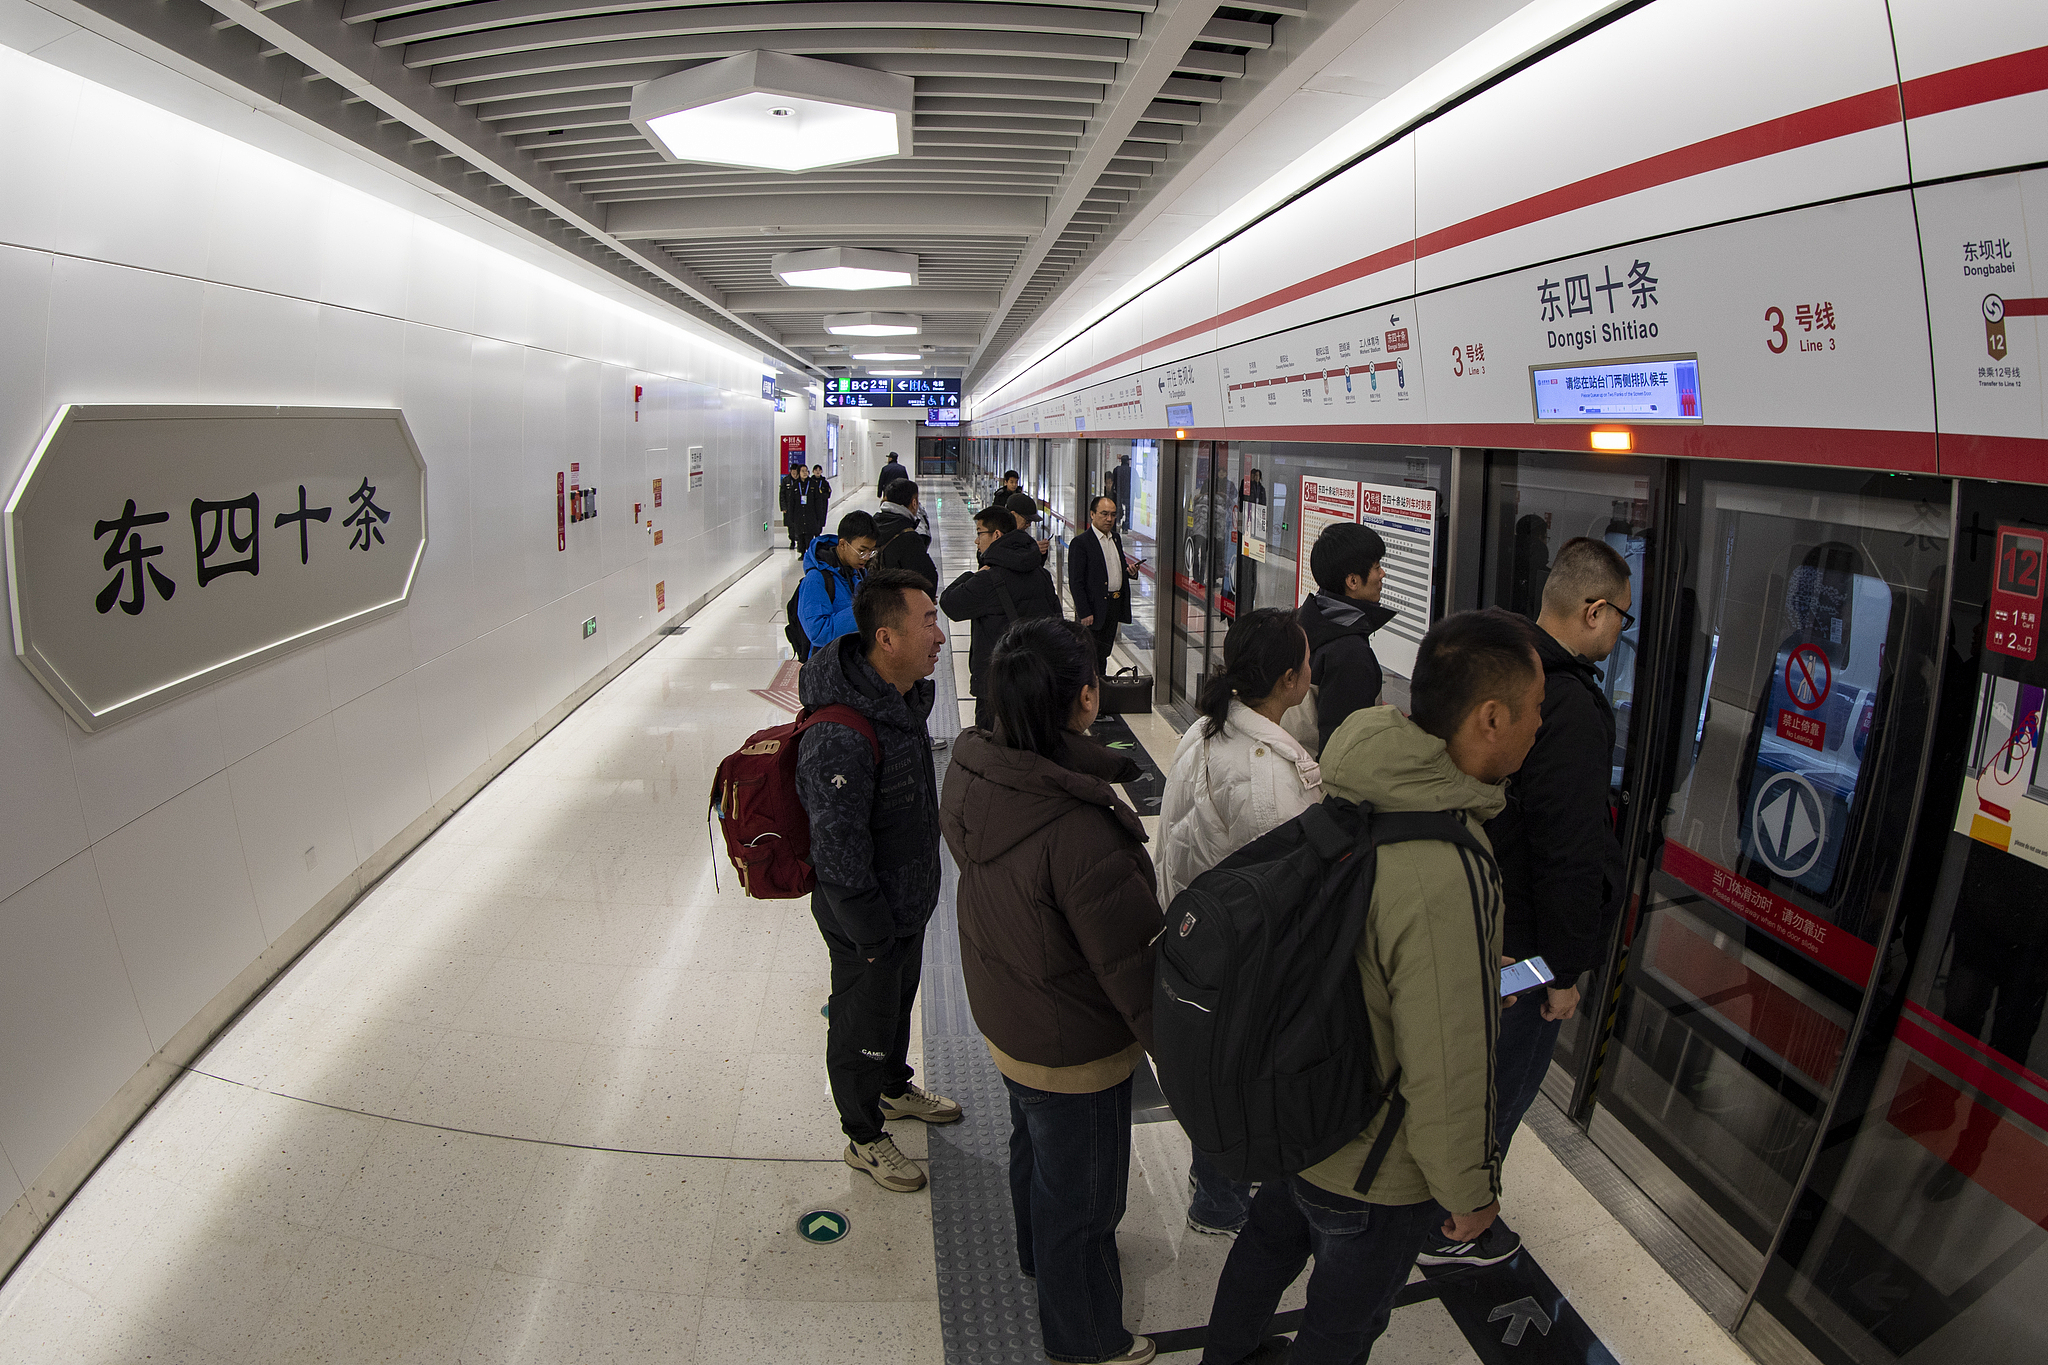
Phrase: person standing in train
x=1236 y=775
x=1562 y=873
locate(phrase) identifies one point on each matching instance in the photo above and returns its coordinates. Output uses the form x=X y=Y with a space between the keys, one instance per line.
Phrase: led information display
x=1664 y=389
x=892 y=393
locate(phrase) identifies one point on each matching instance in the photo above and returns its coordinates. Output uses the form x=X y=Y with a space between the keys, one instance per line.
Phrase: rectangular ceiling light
x=873 y=324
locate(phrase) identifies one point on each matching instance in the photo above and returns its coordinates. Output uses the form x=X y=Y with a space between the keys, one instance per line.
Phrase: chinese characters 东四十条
x=1577 y=299
x=237 y=521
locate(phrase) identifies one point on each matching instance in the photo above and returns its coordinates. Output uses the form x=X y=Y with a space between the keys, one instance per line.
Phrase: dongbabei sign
x=152 y=550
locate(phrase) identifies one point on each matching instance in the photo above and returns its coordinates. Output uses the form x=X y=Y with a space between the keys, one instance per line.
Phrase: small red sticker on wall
x=661 y=595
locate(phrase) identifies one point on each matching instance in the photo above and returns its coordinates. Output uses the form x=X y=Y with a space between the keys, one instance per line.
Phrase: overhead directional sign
x=1790 y=823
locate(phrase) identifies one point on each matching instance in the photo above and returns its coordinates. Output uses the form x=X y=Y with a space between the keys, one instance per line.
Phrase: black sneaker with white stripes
x=1492 y=1246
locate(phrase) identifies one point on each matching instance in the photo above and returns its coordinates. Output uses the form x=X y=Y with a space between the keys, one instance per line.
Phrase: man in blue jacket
x=832 y=572
x=875 y=844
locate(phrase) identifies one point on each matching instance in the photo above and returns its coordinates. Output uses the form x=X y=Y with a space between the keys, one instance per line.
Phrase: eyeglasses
x=1628 y=619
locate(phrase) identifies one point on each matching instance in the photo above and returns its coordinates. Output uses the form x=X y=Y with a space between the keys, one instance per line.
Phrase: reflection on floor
x=554 y=1092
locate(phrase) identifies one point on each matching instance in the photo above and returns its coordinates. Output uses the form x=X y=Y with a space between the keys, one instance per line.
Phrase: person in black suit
x=1099 y=572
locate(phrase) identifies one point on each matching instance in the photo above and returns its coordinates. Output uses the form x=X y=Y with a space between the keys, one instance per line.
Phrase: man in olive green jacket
x=1430 y=964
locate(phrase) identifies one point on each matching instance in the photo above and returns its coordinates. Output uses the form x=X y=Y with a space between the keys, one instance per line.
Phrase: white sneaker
x=914 y=1103
x=891 y=1169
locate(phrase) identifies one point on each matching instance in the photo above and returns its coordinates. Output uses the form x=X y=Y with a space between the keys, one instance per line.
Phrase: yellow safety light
x=1614 y=440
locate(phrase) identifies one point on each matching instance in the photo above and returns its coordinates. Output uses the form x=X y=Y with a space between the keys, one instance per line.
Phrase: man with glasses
x=1562 y=873
x=1100 y=577
x=833 y=568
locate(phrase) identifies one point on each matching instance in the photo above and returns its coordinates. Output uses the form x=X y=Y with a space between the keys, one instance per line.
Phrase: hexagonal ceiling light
x=776 y=111
x=845 y=267
x=874 y=324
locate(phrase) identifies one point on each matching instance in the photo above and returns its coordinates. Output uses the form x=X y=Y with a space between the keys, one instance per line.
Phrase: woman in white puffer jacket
x=1236 y=775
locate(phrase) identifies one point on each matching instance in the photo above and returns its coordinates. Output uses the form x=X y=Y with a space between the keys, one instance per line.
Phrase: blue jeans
x=1070 y=1170
x=1219 y=1201
x=1363 y=1254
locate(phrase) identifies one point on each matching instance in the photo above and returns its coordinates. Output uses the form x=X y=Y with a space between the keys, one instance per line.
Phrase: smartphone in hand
x=1525 y=975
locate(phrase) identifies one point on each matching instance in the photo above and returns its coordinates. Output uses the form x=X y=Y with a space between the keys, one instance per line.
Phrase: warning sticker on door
x=1808 y=676
x=1803 y=730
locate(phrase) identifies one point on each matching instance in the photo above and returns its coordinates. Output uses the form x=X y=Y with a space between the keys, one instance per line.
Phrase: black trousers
x=867 y=1034
x=1104 y=631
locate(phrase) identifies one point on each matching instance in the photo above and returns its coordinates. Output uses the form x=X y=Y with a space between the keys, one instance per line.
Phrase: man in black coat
x=1339 y=620
x=875 y=845
x=792 y=503
x=1098 y=571
x=900 y=543
x=817 y=496
x=891 y=472
x=1561 y=867
x=1010 y=586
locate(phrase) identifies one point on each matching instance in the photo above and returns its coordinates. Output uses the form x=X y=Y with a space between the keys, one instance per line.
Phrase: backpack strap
x=840 y=714
x=1009 y=604
x=1403 y=827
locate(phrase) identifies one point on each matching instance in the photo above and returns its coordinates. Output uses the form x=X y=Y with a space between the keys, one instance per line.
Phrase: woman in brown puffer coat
x=1057 y=921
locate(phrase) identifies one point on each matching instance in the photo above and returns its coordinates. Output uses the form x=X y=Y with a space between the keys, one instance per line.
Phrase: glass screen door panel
x=1536 y=502
x=1920 y=1235
x=1789 y=746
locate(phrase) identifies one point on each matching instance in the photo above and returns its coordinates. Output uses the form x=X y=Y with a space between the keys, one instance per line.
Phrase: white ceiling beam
x=908 y=299
x=644 y=38
x=643 y=19
x=930 y=215
x=1154 y=57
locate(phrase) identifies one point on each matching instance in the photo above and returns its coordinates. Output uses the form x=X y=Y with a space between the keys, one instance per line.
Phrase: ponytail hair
x=1033 y=680
x=1263 y=647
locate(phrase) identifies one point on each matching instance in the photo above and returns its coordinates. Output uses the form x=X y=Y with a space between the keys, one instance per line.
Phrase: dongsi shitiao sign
x=152 y=550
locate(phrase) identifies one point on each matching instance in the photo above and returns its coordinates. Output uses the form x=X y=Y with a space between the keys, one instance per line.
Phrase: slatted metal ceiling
x=1036 y=127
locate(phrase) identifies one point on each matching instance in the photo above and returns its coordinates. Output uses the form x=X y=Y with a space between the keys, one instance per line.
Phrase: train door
x=1919 y=1234
x=1793 y=667
x=1536 y=502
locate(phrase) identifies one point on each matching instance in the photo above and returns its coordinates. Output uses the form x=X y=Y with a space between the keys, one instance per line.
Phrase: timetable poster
x=1406 y=519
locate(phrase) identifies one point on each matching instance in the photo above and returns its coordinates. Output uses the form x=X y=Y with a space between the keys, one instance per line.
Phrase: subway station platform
x=553 y=1091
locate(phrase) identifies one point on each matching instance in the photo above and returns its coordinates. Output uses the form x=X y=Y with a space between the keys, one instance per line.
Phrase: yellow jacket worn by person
x=1430 y=966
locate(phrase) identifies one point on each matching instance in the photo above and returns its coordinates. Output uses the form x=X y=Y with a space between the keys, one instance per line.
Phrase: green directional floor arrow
x=823 y=1226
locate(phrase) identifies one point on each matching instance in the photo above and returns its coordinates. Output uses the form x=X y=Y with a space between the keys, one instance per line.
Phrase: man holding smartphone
x=1560 y=860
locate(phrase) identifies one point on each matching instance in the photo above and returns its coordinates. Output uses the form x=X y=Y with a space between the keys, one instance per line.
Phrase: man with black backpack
x=1429 y=964
x=875 y=847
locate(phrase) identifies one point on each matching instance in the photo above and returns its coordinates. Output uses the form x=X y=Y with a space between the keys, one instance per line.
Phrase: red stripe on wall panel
x=1934 y=1023
x=2000 y=78
x=2005 y=1160
x=1822 y=123
x=2019 y=73
x=2019 y=459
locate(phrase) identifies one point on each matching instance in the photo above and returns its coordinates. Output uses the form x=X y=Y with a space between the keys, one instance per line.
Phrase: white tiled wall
x=147 y=256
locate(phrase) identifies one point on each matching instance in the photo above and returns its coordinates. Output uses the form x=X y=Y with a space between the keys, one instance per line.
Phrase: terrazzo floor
x=554 y=1092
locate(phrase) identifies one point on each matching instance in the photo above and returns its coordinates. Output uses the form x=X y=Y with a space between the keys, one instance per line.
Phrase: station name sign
x=153 y=550
x=1654 y=389
x=892 y=393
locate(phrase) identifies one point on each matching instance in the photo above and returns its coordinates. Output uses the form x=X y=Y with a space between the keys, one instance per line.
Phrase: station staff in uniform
x=1101 y=583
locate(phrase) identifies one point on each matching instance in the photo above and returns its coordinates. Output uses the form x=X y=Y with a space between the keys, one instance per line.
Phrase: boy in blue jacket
x=833 y=568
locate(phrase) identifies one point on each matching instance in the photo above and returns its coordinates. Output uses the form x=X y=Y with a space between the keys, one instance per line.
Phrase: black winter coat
x=874 y=830
x=1561 y=867
x=903 y=546
x=1058 y=915
x=891 y=472
x=1012 y=563
x=1342 y=666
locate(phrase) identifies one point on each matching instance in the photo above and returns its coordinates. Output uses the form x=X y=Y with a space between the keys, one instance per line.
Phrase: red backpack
x=753 y=797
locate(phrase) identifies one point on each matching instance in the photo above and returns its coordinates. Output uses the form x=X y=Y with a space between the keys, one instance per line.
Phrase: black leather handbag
x=1127 y=691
